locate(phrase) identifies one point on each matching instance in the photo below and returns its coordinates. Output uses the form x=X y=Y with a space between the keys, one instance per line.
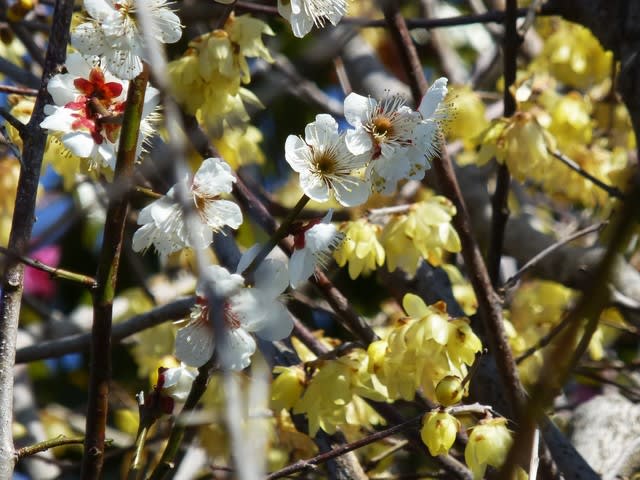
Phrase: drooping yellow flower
x=574 y=56
x=467 y=118
x=240 y=147
x=571 y=122
x=520 y=142
x=439 y=431
x=287 y=387
x=489 y=443
x=360 y=248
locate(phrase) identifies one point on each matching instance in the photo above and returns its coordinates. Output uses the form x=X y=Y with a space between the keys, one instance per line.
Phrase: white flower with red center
x=87 y=113
x=325 y=165
x=400 y=141
x=112 y=31
x=313 y=244
x=304 y=14
x=246 y=310
x=163 y=222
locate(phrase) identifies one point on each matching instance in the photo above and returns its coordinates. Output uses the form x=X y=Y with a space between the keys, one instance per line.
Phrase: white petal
x=247 y=257
x=277 y=324
x=99 y=9
x=357 y=108
x=352 y=193
x=225 y=283
x=213 y=177
x=322 y=132
x=436 y=93
x=297 y=153
x=320 y=237
x=272 y=277
x=195 y=343
x=236 y=349
x=168 y=25
x=88 y=39
x=219 y=213
x=123 y=63
x=60 y=90
x=58 y=119
x=358 y=141
x=314 y=187
x=301 y=267
x=301 y=24
x=80 y=144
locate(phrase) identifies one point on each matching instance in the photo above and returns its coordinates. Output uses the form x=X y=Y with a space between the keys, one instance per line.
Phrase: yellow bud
x=488 y=444
x=19 y=10
x=449 y=390
x=287 y=388
x=438 y=432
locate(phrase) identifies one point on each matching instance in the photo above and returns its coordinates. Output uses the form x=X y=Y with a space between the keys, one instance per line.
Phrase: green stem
x=280 y=233
x=54 y=272
x=136 y=463
x=59 y=441
x=106 y=277
x=199 y=386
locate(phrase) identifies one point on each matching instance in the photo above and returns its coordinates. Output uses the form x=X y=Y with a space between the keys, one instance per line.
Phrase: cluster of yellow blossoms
x=423 y=231
x=207 y=80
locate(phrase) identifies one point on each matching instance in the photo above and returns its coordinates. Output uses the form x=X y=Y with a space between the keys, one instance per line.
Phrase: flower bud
x=287 y=387
x=438 y=432
x=449 y=390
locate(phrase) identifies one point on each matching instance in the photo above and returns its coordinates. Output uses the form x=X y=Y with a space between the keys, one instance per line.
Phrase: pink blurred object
x=37 y=282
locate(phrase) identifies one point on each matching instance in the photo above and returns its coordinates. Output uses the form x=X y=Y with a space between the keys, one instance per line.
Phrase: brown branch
x=499 y=204
x=106 y=277
x=511 y=282
x=611 y=190
x=175 y=310
x=21 y=228
x=14 y=122
x=27 y=92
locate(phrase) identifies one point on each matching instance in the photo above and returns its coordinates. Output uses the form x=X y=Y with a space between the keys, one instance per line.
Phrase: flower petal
x=431 y=100
x=195 y=343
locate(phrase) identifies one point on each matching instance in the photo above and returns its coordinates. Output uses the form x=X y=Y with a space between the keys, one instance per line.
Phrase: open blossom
x=163 y=222
x=87 y=103
x=246 y=310
x=397 y=139
x=112 y=31
x=325 y=165
x=304 y=14
x=313 y=245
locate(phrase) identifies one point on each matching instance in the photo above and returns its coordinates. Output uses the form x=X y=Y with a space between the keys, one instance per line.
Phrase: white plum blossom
x=87 y=103
x=304 y=14
x=325 y=165
x=246 y=310
x=163 y=221
x=176 y=382
x=398 y=140
x=313 y=245
x=112 y=31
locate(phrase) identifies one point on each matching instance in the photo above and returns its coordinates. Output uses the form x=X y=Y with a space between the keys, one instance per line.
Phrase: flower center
x=231 y=320
x=325 y=162
x=382 y=127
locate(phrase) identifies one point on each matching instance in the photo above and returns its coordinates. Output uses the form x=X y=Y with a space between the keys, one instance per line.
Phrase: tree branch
x=21 y=228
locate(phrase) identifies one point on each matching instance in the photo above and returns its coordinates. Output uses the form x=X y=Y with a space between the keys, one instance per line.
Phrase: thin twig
x=175 y=310
x=513 y=280
x=499 y=205
x=27 y=92
x=106 y=277
x=47 y=445
x=610 y=189
x=535 y=460
x=53 y=271
x=14 y=122
x=21 y=228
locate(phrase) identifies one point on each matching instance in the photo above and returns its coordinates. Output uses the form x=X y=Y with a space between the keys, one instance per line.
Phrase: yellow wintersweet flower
x=9 y=173
x=226 y=50
x=520 y=142
x=489 y=443
x=571 y=122
x=424 y=232
x=240 y=147
x=287 y=387
x=467 y=118
x=439 y=431
x=360 y=248
x=574 y=56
